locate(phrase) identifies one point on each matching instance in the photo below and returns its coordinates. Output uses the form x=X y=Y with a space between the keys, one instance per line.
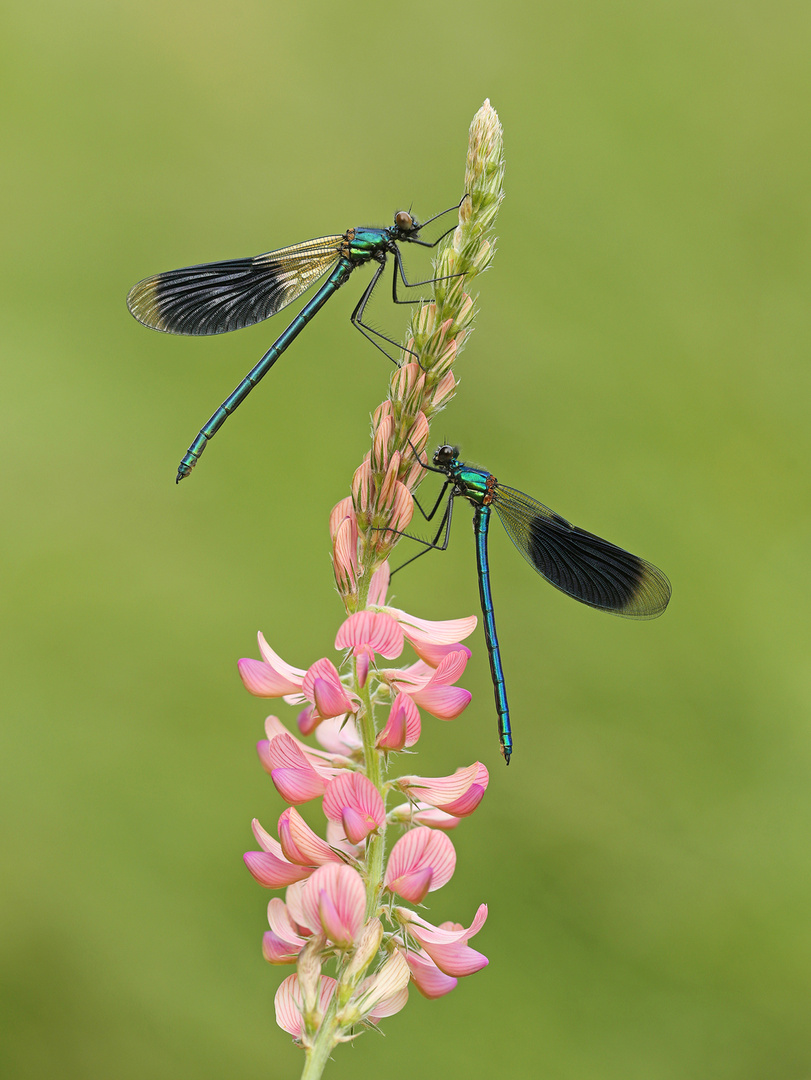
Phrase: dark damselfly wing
x=215 y=298
x=580 y=564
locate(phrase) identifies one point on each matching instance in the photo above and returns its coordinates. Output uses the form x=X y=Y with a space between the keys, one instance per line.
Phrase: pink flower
x=296 y=779
x=422 y=861
x=289 y=1003
x=282 y=943
x=334 y=898
x=269 y=866
x=431 y=688
x=458 y=794
x=367 y=633
x=446 y=944
x=323 y=687
x=419 y=813
x=343 y=528
x=320 y=684
x=353 y=800
x=382 y=994
x=426 y=976
x=382 y=630
x=336 y=756
x=402 y=727
x=300 y=844
x=339 y=736
x=270 y=676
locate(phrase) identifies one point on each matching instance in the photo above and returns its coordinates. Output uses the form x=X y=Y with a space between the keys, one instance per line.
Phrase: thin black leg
x=356 y=318
x=431 y=545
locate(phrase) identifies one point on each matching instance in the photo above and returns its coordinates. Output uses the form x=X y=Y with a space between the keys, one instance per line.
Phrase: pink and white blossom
x=289 y=1004
x=353 y=800
x=403 y=726
x=334 y=898
x=447 y=945
x=458 y=795
x=422 y=861
x=283 y=942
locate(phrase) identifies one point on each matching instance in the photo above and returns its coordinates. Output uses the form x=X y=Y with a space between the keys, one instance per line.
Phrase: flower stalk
x=340 y=912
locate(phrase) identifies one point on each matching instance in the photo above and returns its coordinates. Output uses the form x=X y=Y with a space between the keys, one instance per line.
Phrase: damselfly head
x=406 y=222
x=446 y=456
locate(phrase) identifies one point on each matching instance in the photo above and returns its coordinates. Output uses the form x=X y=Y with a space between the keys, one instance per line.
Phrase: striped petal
x=289 y=1005
x=463 y=790
x=300 y=844
x=335 y=898
x=352 y=799
x=422 y=861
x=426 y=976
x=376 y=629
x=270 y=677
x=402 y=727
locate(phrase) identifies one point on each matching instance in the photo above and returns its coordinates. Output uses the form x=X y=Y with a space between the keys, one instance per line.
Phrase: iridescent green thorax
x=475 y=485
x=361 y=245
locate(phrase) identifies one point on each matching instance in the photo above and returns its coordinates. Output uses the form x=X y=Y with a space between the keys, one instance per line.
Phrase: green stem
x=317 y=1055
x=376 y=844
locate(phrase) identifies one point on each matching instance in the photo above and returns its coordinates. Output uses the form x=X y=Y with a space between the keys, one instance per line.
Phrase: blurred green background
x=640 y=364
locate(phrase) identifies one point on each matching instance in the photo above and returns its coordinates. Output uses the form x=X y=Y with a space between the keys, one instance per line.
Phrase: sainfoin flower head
x=346 y=865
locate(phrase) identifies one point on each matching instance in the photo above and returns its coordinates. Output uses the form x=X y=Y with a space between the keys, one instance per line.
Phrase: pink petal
x=341 y=510
x=298 y=785
x=271 y=677
x=428 y=979
x=320 y=760
x=345 y=551
x=376 y=629
x=402 y=507
x=412 y=885
x=443 y=632
x=272 y=872
x=337 y=838
x=335 y=898
x=457 y=960
x=300 y=844
x=390 y=1005
x=467 y=803
x=308 y=720
x=338 y=735
x=403 y=726
x=278 y=951
x=417 y=813
x=421 y=861
x=354 y=800
x=441 y=791
x=329 y=699
x=447 y=932
x=261 y=680
x=435 y=654
x=410 y=678
x=443 y=702
x=322 y=685
x=266 y=841
x=379 y=586
x=362 y=486
x=435 y=818
x=452 y=666
x=384 y=993
x=295 y=778
x=447 y=945
x=364 y=656
x=280 y=921
x=295 y=909
x=288 y=1003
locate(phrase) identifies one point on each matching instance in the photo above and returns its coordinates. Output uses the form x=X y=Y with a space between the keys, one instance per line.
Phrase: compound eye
x=403 y=220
